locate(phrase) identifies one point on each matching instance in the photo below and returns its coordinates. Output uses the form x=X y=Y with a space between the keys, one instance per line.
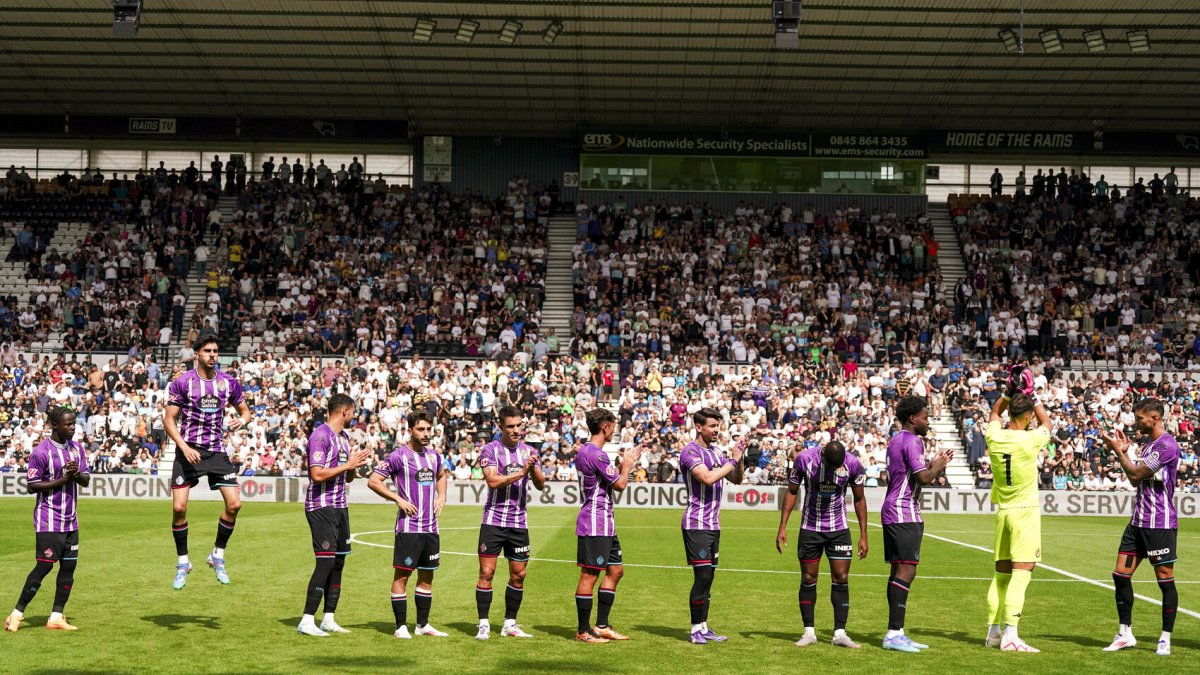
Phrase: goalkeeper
x=1013 y=450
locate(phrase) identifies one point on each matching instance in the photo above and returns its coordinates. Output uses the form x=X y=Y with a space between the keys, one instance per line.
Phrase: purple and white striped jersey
x=703 y=511
x=905 y=458
x=415 y=475
x=202 y=406
x=1154 y=506
x=825 y=489
x=505 y=507
x=327 y=449
x=596 y=475
x=54 y=510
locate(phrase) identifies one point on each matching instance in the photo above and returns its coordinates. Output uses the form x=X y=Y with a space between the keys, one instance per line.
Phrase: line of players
x=199 y=398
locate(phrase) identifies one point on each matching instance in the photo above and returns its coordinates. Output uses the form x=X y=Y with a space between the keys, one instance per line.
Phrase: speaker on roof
x=786 y=14
x=126 y=15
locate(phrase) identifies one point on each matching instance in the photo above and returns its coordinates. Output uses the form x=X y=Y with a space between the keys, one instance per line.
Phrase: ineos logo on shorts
x=602 y=142
x=522 y=549
x=229 y=476
x=435 y=556
x=75 y=547
x=842 y=548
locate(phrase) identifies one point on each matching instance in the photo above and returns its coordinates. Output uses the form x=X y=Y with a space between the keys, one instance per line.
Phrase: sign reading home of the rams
x=152 y=125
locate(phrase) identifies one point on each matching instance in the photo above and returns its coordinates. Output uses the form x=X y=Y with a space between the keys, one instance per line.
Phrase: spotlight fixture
x=1051 y=40
x=1095 y=40
x=1009 y=38
x=1139 y=40
x=508 y=33
x=466 y=30
x=423 y=31
x=552 y=31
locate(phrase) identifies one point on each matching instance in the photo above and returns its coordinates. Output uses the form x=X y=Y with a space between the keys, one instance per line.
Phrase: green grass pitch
x=131 y=620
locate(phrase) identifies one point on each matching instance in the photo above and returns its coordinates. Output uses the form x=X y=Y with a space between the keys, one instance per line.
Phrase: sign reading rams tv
x=745 y=145
x=152 y=125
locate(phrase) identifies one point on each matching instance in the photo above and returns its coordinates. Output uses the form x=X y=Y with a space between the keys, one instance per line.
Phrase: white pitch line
x=1065 y=573
x=354 y=538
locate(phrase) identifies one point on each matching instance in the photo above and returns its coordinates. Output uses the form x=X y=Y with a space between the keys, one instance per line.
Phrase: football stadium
x=560 y=336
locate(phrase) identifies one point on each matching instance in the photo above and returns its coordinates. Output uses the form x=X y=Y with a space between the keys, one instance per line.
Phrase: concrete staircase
x=958 y=472
x=556 y=312
x=950 y=257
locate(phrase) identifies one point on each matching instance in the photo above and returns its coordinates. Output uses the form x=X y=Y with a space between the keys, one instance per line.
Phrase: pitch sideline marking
x=354 y=538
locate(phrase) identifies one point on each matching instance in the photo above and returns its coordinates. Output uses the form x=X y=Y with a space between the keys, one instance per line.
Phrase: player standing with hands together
x=1153 y=528
x=705 y=472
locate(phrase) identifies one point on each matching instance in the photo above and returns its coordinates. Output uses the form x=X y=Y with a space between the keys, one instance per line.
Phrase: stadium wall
x=486 y=164
x=638 y=495
x=822 y=202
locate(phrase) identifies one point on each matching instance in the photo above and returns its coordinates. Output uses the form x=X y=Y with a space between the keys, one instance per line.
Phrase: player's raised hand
x=1116 y=440
x=358 y=458
x=235 y=424
x=530 y=463
x=634 y=454
x=781 y=540
x=406 y=506
x=71 y=470
x=739 y=448
x=862 y=547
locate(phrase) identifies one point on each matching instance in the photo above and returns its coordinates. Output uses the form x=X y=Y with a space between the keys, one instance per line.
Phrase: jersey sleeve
x=689 y=460
x=176 y=394
x=39 y=468
x=389 y=466
x=487 y=456
x=857 y=475
x=796 y=475
x=1168 y=453
x=914 y=455
x=605 y=471
x=318 y=450
x=236 y=395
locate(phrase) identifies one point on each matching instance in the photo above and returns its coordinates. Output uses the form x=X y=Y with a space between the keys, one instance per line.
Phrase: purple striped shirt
x=54 y=510
x=505 y=507
x=596 y=475
x=703 y=511
x=415 y=475
x=825 y=489
x=327 y=449
x=905 y=458
x=1154 y=506
x=202 y=406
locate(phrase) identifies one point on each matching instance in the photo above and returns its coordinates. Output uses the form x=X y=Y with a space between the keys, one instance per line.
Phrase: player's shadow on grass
x=387 y=627
x=564 y=632
x=464 y=628
x=181 y=621
x=669 y=632
x=972 y=639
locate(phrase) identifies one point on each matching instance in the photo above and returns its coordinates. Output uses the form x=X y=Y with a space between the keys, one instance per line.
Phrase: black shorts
x=702 y=547
x=215 y=465
x=902 y=543
x=1156 y=544
x=52 y=547
x=512 y=541
x=597 y=553
x=330 y=531
x=417 y=550
x=835 y=545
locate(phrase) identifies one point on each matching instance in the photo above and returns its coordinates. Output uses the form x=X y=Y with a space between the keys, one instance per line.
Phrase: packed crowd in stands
x=785 y=406
x=1076 y=270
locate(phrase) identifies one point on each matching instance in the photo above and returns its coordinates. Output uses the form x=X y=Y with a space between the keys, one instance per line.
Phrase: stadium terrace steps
x=559 y=303
x=958 y=472
x=67 y=237
x=950 y=258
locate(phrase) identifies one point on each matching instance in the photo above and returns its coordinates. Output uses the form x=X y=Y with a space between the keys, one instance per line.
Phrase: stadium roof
x=701 y=64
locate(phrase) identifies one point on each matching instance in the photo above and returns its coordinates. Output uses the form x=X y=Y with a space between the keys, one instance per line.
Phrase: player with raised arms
x=1013 y=450
x=57 y=466
x=420 y=478
x=1153 y=527
x=903 y=527
x=199 y=398
x=825 y=474
x=331 y=466
x=509 y=466
x=705 y=471
x=598 y=549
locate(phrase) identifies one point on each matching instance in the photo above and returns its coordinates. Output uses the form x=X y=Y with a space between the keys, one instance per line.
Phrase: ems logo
x=408 y=560
x=483 y=548
x=179 y=480
x=703 y=552
x=599 y=558
x=49 y=553
x=325 y=546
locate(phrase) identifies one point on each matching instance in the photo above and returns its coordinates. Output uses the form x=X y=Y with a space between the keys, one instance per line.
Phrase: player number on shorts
x=1008 y=470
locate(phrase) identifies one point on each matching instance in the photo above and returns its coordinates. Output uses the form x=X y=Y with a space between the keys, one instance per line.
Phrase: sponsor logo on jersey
x=425 y=476
x=1158 y=551
x=513 y=469
x=209 y=404
x=318 y=456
